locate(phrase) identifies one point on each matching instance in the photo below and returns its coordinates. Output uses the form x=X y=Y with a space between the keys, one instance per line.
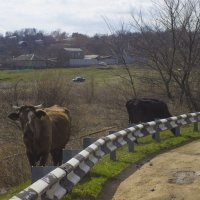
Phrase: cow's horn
x=38 y=106
x=15 y=107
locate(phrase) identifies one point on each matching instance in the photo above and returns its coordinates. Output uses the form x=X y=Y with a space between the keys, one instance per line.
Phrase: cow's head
x=28 y=117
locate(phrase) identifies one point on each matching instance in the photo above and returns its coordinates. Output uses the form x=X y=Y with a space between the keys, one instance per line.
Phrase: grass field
x=69 y=73
x=91 y=185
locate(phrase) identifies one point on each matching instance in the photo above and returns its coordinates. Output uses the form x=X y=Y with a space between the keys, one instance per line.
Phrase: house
x=22 y=43
x=110 y=60
x=29 y=61
x=74 y=53
x=91 y=57
x=39 y=42
x=93 y=60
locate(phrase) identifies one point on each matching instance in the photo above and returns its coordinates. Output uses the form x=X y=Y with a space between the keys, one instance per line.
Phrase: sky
x=83 y=16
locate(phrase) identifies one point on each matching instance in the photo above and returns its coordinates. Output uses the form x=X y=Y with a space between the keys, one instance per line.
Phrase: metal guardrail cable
x=93 y=133
x=61 y=180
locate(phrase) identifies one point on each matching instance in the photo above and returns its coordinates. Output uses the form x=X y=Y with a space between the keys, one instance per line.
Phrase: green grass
x=91 y=185
x=14 y=190
x=69 y=73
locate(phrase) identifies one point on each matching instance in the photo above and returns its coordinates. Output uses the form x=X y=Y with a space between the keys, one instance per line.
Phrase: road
x=174 y=175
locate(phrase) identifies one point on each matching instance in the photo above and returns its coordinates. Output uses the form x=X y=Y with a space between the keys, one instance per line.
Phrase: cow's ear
x=14 y=116
x=40 y=113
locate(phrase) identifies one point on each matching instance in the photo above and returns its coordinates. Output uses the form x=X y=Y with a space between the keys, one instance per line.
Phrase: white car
x=78 y=79
x=102 y=63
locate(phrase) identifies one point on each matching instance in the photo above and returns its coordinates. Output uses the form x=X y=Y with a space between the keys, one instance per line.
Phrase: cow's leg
x=31 y=158
x=53 y=155
x=43 y=159
x=56 y=156
x=60 y=157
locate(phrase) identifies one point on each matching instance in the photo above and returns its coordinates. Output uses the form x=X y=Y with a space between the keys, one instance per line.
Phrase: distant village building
x=39 y=42
x=74 y=53
x=66 y=57
x=22 y=43
x=129 y=59
x=93 y=60
x=30 y=61
x=91 y=57
x=13 y=37
x=82 y=62
x=109 y=60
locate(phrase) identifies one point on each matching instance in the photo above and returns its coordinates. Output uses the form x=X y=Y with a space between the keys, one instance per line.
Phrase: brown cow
x=45 y=131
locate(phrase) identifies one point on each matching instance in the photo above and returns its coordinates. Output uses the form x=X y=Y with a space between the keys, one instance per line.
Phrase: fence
x=62 y=179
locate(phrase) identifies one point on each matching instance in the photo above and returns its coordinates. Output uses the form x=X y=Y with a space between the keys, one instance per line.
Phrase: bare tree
x=170 y=42
x=119 y=44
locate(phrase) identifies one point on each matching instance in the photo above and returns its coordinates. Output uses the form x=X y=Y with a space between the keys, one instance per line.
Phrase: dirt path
x=174 y=175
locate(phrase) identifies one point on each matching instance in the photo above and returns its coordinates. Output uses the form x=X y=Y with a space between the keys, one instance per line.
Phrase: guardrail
x=61 y=180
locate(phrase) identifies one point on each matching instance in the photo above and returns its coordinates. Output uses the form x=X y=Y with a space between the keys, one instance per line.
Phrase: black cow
x=146 y=110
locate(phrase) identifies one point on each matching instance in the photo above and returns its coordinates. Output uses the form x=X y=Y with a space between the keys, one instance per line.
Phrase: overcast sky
x=83 y=16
